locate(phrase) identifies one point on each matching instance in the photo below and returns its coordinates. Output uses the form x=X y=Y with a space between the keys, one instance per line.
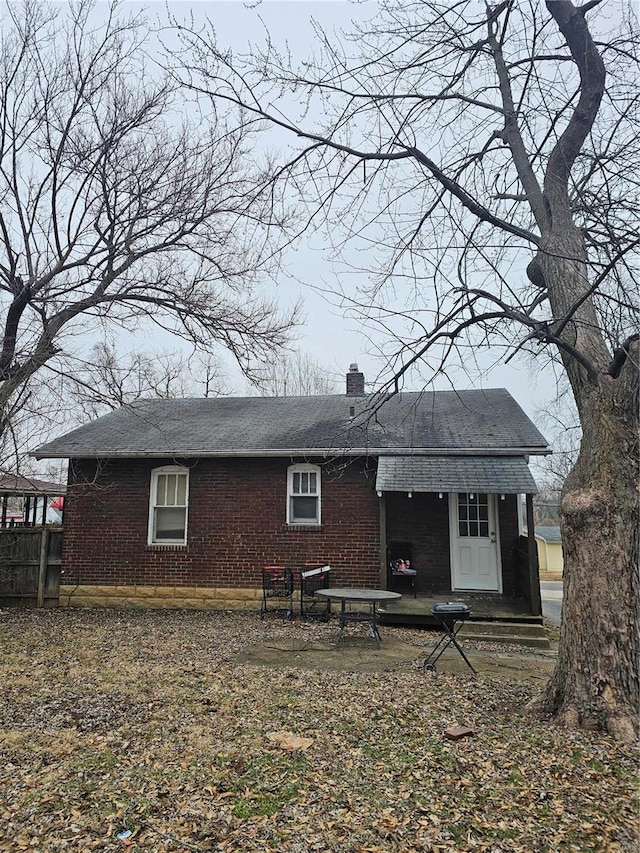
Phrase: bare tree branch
x=116 y=207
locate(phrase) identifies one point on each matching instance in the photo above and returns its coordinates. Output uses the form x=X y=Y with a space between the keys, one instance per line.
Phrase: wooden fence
x=30 y=559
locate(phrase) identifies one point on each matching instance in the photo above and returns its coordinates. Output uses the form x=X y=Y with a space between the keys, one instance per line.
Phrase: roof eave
x=184 y=453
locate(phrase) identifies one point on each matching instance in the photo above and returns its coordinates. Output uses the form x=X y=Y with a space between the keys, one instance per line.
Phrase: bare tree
x=560 y=423
x=487 y=159
x=546 y=508
x=109 y=379
x=118 y=210
x=31 y=418
x=296 y=374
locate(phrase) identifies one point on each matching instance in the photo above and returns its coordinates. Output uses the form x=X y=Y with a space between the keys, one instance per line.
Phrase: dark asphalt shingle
x=507 y=475
x=489 y=420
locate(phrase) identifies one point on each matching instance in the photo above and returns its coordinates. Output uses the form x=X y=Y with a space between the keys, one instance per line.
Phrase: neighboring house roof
x=549 y=534
x=12 y=484
x=434 y=422
x=507 y=475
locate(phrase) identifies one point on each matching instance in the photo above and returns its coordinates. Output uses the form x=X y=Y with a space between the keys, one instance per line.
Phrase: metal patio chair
x=311 y=580
x=277 y=591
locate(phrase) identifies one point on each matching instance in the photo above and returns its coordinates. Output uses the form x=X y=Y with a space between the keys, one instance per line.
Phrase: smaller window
x=168 y=506
x=303 y=494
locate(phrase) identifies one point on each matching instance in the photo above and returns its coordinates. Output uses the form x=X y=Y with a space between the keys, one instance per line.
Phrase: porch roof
x=15 y=485
x=508 y=475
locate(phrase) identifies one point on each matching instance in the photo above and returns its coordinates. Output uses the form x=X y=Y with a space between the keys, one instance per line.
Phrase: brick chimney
x=355 y=382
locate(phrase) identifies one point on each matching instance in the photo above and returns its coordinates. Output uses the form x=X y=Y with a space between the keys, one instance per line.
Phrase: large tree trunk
x=596 y=682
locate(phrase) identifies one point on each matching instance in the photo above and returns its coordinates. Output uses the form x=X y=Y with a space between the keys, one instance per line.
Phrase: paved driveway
x=551 y=592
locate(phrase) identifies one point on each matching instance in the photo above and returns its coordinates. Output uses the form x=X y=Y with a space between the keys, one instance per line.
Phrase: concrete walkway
x=551 y=592
x=535 y=666
x=359 y=654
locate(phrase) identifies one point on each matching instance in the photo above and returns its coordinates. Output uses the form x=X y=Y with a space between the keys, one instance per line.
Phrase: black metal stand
x=277 y=590
x=408 y=577
x=451 y=616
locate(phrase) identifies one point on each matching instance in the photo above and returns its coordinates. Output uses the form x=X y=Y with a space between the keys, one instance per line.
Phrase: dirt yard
x=173 y=731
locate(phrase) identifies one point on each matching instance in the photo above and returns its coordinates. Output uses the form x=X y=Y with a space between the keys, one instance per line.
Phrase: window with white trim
x=168 y=505
x=303 y=494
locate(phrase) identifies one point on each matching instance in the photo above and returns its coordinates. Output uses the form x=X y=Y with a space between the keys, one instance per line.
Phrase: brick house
x=182 y=502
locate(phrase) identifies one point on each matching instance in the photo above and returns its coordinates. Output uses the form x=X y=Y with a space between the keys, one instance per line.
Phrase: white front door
x=475 y=552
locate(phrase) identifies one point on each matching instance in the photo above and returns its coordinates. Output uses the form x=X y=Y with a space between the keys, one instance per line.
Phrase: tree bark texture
x=596 y=683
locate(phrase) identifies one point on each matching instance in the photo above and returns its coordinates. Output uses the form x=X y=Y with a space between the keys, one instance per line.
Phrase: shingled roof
x=13 y=484
x=487 y=422
x=508 y=475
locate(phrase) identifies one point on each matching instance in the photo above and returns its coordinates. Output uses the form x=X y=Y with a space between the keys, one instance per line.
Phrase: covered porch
x=458 y=520
x=493 y=619
x=28 y=502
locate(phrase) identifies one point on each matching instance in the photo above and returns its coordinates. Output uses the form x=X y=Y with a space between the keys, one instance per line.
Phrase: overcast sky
x=328 y=336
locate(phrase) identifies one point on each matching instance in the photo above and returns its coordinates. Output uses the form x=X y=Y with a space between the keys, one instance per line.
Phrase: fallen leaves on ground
x=140 y=731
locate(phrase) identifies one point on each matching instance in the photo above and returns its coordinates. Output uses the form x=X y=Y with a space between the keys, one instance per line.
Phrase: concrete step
x=489 y=626
x=527 y=642
x=514 y=633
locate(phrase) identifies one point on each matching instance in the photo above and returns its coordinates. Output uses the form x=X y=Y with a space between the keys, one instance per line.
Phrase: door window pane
x=473 y=515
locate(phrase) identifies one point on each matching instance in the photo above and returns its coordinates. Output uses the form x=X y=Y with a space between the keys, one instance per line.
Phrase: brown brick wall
x=237 y=511
x=508 y=521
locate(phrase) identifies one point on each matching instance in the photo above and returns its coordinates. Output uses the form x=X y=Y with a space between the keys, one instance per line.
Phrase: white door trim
x=493 y=581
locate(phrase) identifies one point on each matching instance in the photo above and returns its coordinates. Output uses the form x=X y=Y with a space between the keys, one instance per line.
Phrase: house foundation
x=191 y=598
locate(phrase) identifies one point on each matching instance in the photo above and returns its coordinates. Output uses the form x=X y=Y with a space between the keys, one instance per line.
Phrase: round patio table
x=369 y=617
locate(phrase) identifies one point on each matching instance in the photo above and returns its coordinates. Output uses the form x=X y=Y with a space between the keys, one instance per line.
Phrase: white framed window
x=303 y=494
x=168 y=504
